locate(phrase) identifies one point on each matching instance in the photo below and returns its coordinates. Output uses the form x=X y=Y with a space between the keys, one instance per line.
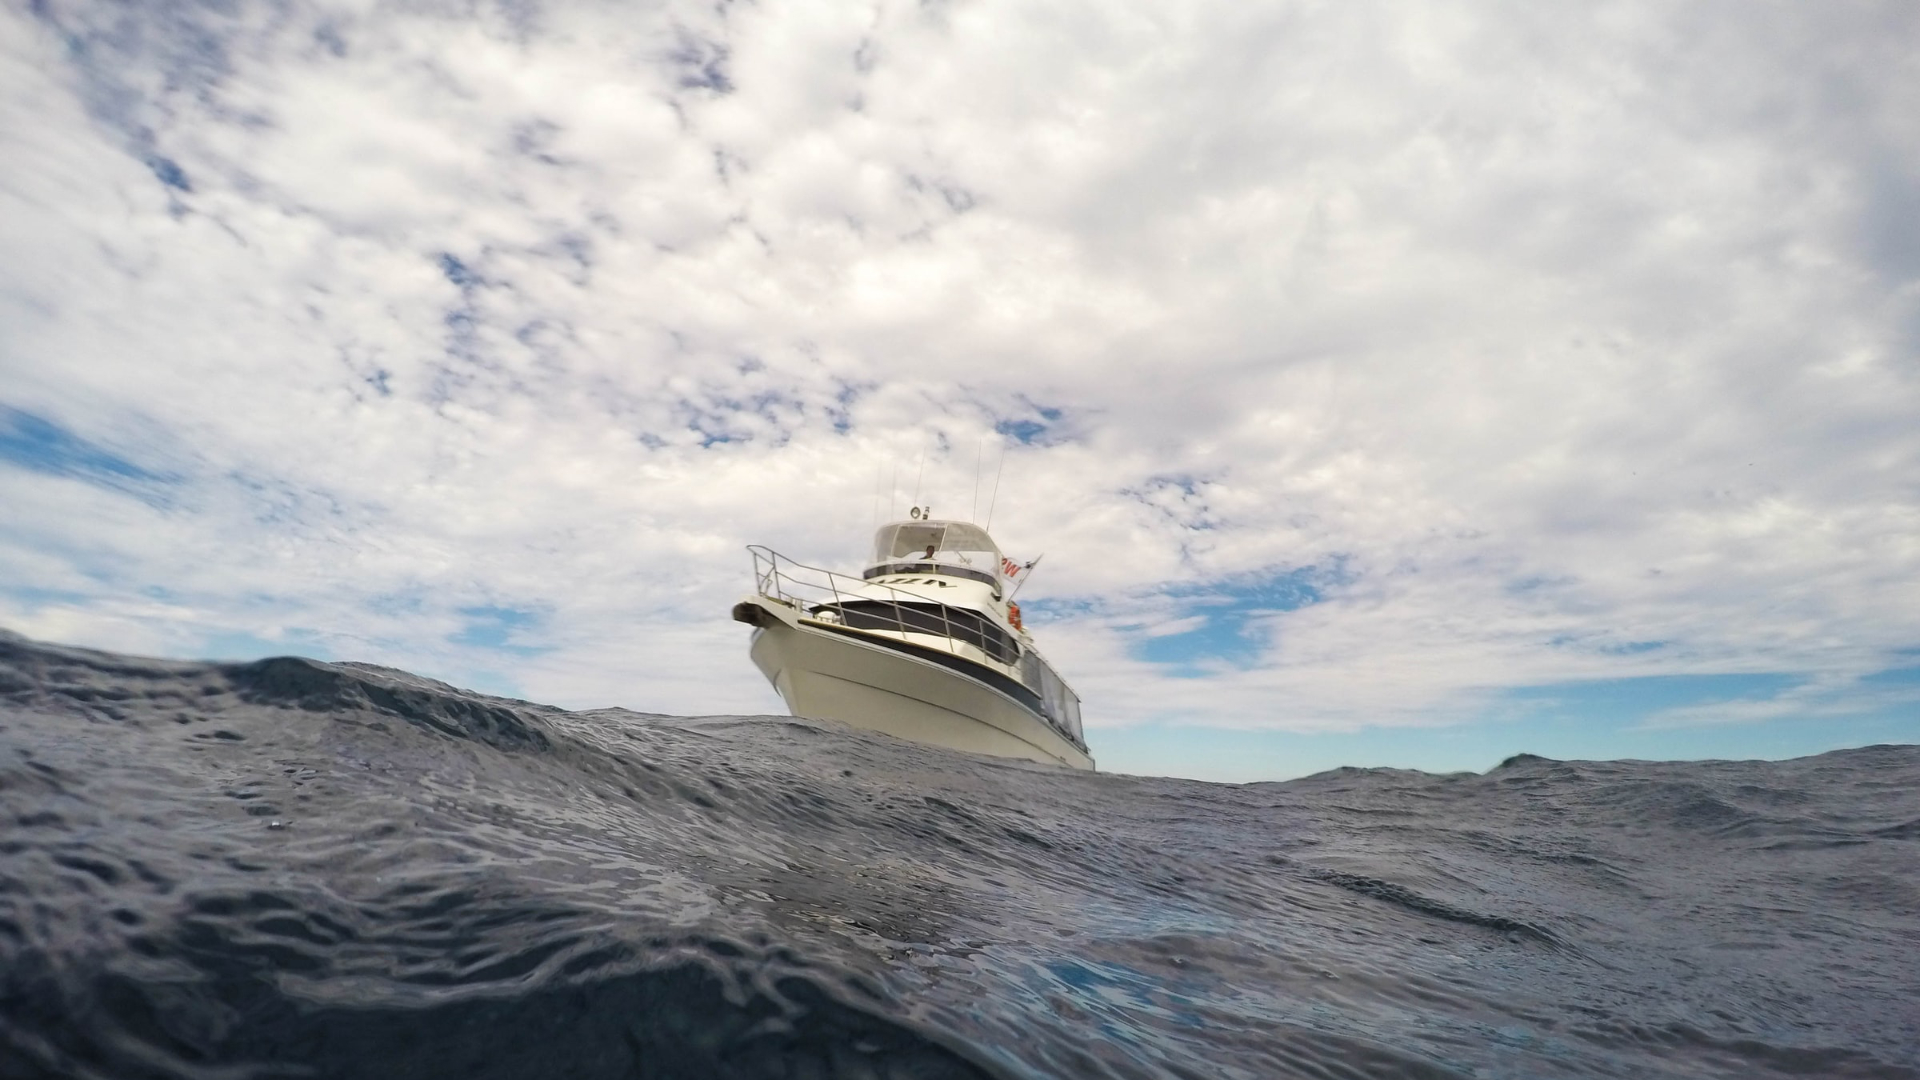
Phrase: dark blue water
x=296 y=869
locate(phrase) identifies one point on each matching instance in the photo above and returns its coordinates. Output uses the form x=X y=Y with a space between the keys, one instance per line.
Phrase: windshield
x=948 y=541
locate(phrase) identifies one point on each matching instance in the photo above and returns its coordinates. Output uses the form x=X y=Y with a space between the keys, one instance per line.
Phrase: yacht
x=926 y=644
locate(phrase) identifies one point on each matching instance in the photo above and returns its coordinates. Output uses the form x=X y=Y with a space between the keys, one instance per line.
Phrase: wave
x=294 y=868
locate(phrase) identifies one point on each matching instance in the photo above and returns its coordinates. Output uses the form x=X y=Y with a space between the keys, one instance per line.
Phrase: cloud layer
x=1353 y=363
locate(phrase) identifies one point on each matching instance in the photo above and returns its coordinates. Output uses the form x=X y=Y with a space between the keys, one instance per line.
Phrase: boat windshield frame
x=936 y=568
x=960 y=549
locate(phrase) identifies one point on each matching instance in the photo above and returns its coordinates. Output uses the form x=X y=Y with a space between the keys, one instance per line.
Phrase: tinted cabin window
x=1061 y=705
x=927 y=618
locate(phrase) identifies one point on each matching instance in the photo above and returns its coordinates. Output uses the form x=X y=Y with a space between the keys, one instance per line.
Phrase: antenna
x=979 y=454
x=996 y=487
x=918 y=476
x=893 y=489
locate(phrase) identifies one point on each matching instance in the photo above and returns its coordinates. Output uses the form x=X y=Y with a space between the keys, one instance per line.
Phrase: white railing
x=810 y=589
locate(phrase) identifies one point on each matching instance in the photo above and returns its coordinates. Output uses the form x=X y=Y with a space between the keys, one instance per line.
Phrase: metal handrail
x=796 y=590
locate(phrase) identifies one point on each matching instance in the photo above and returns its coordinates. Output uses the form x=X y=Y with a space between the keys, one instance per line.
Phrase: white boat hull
x=834 y=674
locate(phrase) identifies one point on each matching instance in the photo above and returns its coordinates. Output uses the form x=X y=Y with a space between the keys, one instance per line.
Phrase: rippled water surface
x=290 y=868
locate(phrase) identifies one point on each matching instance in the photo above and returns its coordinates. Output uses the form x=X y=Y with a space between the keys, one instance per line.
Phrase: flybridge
x=951 y=548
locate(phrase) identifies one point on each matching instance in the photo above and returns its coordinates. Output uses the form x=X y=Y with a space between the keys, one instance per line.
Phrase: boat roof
x=954 y=535
x=937 y=546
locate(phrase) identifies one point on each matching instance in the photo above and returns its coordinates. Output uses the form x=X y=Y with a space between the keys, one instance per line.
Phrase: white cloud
x=1562 y=345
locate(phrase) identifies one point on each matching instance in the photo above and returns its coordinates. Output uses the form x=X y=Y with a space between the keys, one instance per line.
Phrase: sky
x=1387 y=384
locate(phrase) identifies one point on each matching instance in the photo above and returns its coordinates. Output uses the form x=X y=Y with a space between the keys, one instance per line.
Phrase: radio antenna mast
x=996 y=487
x=979 y=454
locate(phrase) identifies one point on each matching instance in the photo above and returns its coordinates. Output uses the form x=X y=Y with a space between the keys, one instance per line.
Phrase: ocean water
x=297 y=869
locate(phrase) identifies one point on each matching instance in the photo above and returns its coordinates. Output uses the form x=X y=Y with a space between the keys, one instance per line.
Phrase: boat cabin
x=950 y=548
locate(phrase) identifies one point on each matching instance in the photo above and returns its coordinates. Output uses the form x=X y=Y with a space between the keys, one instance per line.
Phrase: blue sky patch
x=1637 y=699
x=718 y=420
x=1894 y=677
x=33 y=442
x=1234 y=632
x=1028 y=431
x=841 y=411
x=1041 y=610
x=493 y=628
x=1630 y=648
x=169 y=172
x=1024 y=431
x=457 y=272
x=244 y=645
x=35 y=596
x=1588 y=720
x=1240 y=755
